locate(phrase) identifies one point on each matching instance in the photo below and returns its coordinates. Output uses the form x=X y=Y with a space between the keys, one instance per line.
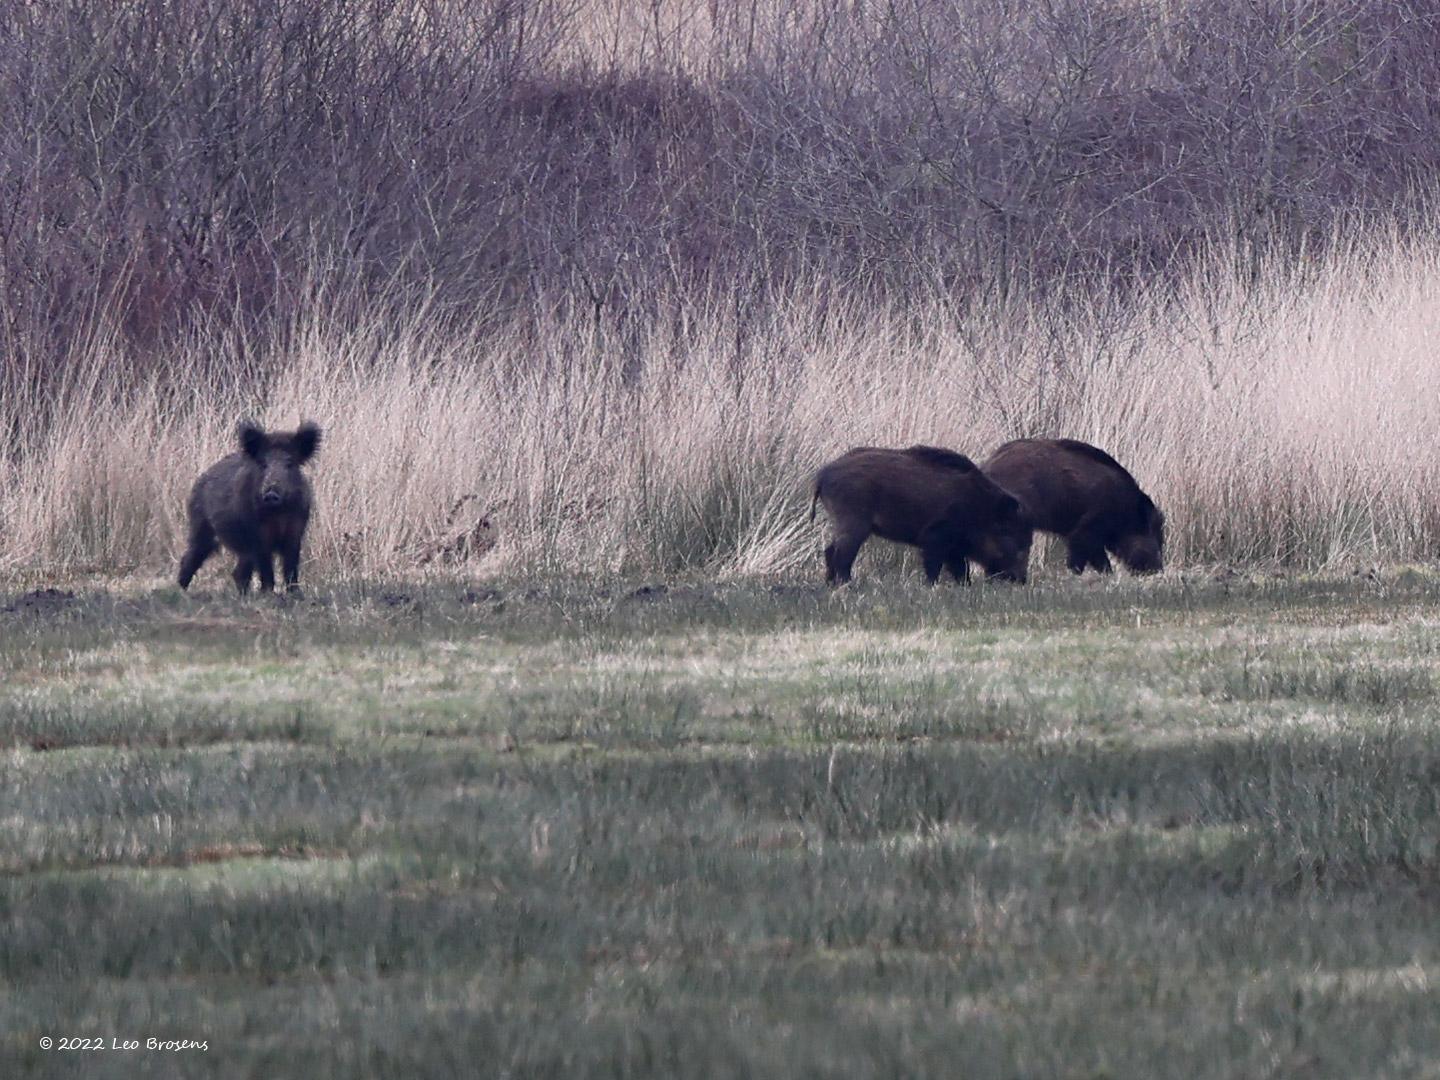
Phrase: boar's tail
x=814 y=499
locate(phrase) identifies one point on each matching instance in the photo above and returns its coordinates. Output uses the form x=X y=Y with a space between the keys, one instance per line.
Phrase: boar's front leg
x=244 y=569
x=943 y=545
x=290 y=559
x=934 y=559
x=265 y=563
x=1086 y=547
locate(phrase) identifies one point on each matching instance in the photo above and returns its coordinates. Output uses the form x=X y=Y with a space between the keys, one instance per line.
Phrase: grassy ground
x=1184 y=827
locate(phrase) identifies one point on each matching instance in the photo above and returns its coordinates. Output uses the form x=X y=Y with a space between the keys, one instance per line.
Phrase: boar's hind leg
x=200 y=548
x=934 y=559
x=290 y=561
x=840 y=555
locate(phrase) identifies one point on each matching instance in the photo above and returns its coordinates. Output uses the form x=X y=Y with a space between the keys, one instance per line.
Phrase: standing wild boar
x=257 y=503
x=1086 y=496
x=934 y=499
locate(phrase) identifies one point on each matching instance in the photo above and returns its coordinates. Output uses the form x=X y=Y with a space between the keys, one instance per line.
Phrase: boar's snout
x=281 y=486
x=1145 y=559
x=1142 y=553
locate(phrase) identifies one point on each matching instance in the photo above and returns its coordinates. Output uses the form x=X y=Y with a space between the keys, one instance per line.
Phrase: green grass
x=1184 y=827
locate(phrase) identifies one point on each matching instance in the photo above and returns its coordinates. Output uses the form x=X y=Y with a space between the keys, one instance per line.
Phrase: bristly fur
x=252 y=438
x=1099 y=455
x=255 y=441
x=931 y=455
x=927 y=497
x=938 y=455
x=1080 y=492
x=306 y=441
x=1146 y=510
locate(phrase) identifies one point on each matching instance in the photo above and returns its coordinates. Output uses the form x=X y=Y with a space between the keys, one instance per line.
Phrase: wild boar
x=1079 y=492
x=257 y=503
x=925 y=496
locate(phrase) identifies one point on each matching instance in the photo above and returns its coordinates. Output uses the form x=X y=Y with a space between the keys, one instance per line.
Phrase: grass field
x=1179 y=827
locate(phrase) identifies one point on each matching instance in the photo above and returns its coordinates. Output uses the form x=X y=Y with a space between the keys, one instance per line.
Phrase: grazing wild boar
x=934 y=499
x=1083 y=494
x=257 y=503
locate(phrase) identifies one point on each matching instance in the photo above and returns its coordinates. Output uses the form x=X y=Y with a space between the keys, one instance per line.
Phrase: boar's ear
x=307 y=441
x=1007 y=506
x=252 y=438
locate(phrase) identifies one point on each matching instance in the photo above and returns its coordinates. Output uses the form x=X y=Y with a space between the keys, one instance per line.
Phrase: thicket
x=173 y=164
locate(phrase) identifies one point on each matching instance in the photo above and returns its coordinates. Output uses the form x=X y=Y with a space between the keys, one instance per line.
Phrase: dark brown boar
x=257 y=503
x=934 y=499
x=1076 y=491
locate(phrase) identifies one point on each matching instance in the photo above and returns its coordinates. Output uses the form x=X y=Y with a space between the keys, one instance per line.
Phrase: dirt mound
x=40 y=602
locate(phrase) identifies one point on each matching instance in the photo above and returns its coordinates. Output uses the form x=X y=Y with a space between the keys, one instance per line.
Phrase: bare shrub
x=170 y=169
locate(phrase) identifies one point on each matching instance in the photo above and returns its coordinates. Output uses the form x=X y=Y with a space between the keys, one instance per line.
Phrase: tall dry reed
x=1291 y=418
